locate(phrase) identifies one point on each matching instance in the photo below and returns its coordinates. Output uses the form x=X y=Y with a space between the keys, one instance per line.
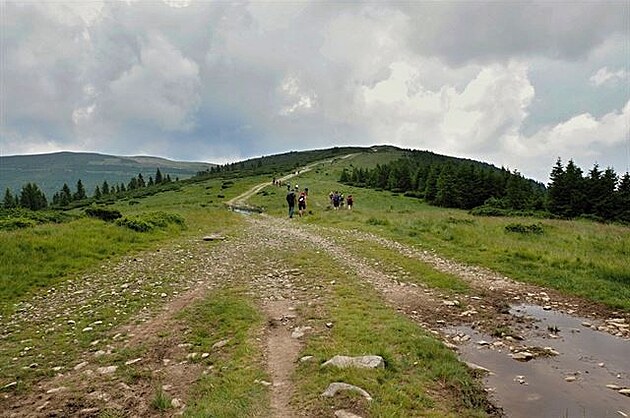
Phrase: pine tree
x=150 y=183
x=32 y=197
x=80 y=193
x=141 y=182
x=105 y=188
x=65 y=197
x=9 y=201
x=158 y=177
x=622 y=199
x=97 y=192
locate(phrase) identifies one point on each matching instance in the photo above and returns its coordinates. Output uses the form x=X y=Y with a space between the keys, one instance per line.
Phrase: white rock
x=87 y=329
x=306 y=358
x=55 y=390
x=80 y=365
x=333 y=388
x=177 y=403
x=342 y=413
x=570 y=379
x=107 y=369
x=364 y=362
x=220 y=344
x=134 y=361
x=299 y=332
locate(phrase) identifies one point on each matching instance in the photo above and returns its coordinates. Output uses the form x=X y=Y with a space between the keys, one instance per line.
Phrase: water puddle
x=572 y=383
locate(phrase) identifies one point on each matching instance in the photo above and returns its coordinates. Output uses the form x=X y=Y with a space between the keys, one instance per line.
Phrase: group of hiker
x=294 y=195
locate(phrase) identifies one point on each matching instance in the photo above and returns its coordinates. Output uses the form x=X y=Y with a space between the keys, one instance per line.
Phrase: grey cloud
x=484 y=31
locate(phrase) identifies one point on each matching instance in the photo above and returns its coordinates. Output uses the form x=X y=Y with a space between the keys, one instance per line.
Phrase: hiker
x=306 y=190
x=349 y=201
x=291 y=202
x=330 y=196
x=335 y=200
x=302 y=204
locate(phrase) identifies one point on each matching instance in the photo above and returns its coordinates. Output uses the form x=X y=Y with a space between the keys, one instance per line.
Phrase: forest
x=488 y=190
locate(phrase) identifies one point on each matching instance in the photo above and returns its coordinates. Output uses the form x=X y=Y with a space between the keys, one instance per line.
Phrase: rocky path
x=158 y=285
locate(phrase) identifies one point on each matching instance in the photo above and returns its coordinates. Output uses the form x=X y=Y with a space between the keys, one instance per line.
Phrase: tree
x=105 y=188
x=80 y=193
x=141 y=182
x=158 y=177
x=622 y=199
x=32 y=197
x=65 y=196
x=97 y=193
x=150 y=183
x=9 y=201
x=518 y=192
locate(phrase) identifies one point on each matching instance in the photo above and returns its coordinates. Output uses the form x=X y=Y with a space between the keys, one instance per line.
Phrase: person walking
x=302 y=204
x=349 y=201
x=291 y=202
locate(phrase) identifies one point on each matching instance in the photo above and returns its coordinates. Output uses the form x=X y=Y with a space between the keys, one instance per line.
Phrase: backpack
x=301 y=199
x=291 y=198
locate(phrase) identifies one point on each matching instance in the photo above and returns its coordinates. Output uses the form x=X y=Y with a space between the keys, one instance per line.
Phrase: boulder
x=333 y=388
x=363 y=362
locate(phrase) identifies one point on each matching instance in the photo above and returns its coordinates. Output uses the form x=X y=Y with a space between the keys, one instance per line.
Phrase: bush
x=376 y=221
x=524 y=229
x=107 y=215
x=148 y=221
x=16 y=223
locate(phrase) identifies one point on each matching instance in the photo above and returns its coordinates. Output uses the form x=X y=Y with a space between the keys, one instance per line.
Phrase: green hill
x=51 y=171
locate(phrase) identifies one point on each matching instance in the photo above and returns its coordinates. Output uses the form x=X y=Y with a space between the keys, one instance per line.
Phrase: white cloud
x=605 y=76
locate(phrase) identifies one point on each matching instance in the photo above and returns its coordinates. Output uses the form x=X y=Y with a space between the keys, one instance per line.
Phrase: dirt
x=164 y=365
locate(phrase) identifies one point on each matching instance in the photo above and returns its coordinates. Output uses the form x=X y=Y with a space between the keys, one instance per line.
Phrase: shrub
x=148 y=221
x=16 y=223
x=524 y=229
x=107 y=215
x=376 y=221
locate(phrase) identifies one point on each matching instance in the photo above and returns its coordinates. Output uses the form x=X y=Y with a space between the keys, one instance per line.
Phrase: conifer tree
x=105 y=188
x=9 y=201
x=32 y=197
x=158 y=177
x=80 y=193
x=97 y=192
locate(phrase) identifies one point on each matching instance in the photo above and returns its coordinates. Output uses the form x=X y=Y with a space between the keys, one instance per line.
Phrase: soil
x=86 y=390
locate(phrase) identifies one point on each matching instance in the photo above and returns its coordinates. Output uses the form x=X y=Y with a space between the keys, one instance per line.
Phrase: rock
x=213 y=237
x=570 y=379
x=363 y=362
x=88 y=411
x=342 y=413
x=220 y=344
x=87 y=329
x=107 y=370
x=299 y=332
x=80 y=365
x=134 y=361
x=306 y=359
x=474 y=366
x=483 y=342
x=625 y=392
x=177 y=403
x=522 y=356
x=163 y=295
x=587 y=324
x=205 y=355
x=614 y=387
x=55 y=390
x=262 y=382
x=192 y=356
x=167 y=387
x=333 y=388
x=9 y=385
x=329 y=324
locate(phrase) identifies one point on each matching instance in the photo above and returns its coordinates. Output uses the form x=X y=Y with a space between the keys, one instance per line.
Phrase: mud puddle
x=568 y=375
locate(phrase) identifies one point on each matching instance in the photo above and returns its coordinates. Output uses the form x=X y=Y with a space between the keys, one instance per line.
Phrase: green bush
x=524 y=229
x=376 y=221
x=104 y=214
x=148 y=221
x=16 y=223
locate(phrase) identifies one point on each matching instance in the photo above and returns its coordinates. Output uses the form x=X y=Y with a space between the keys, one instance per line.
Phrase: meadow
x=578 y=257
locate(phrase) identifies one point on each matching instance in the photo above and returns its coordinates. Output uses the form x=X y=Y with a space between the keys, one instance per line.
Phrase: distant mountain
x=51 y=171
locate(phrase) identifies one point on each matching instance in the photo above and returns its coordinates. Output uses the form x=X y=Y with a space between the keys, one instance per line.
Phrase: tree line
x=465 y=184
x=31 y=197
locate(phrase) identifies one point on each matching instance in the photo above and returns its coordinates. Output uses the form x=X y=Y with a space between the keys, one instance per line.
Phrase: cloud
x=504 y=82
x=605 y=76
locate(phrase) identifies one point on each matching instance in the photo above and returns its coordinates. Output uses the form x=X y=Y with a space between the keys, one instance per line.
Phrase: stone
x=87 y=329
x=299 y=332
x=80 y=365
x=205 y=355
x=220 y=344
x=335 y=387
x=177 y=403
x=342 y=413
x=134 y=361
x=88 y=411
x=363 y=362
x=570 y=379
x=306 y=359
x=625 y=392
x=474 y=366
x=614 y=387
x=522 y=356
x=107 y=369
x=9 y=385
x=56 y=390
x=213 y=237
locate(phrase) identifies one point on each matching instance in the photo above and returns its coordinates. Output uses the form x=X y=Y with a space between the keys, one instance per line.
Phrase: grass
x=230 y=388
x=418 y=366
x=580 y=257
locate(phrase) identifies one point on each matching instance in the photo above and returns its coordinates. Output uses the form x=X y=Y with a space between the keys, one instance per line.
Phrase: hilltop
x=51 y=171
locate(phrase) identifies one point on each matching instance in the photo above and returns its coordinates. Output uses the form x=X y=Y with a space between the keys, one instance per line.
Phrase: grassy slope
x=581 y=258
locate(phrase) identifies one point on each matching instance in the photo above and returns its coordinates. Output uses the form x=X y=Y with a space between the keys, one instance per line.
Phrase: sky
x=517 y=84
